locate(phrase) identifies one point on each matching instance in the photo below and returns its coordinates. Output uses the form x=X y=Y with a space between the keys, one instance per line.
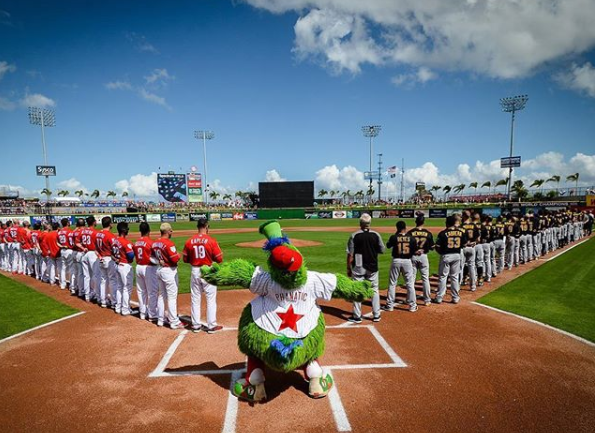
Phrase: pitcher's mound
x=297 y=242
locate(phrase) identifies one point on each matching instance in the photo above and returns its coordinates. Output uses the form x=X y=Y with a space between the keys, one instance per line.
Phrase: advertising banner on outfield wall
x=407 y=213
x=168 y=217
x=182 y=217
x=378 y=214
x=437 y=213
x=354 y=214
x=215 y=216
x=325 y=215
x=311 y=215
x=449 y=212
x=339 y=214
x=227 y=216
x=238 y=216
x=99 y=217
x=129 y=218
x=494 y=212
x=424 y=212
x=392 y=213
x=197 y=216
x=153 y=218
x=250 y=215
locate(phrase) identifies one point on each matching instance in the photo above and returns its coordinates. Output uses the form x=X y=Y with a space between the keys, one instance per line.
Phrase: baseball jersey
x=35 y=237
x=451 y=240
x=202 y=250
x=364 y=246
x=486 y=234
x=424 y=239
x=142 y=251
x=12 y=234
x=524 y=226
x=21 y=235
x=103 y=242
x=43 y=245
x=88 y=236
x=28 y=240
x=471 y=231
x=403 y=245
x=53 y=247
x=499 y=230
x=164 y=250
x=77 y=234
x=121 y=248
x=1 y=236
x=65 y=237
x=292 y=313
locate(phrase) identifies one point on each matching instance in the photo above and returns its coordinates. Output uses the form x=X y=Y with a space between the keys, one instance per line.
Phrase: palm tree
x=501 y=182
x=435 y=188
x=227 y=197
x=370 y=193
x=239 y=194
x=473 y=185
x=359 y=195
x=519 y=188
x=125 y=194
x=446 y=189
x=573 y=178
x=110 y=194
x=46 y=192
x=459 y=188
x=537 y=183
x=214 y=195
x=322 y=193
x=95 y=193
x=79 y=193
x=345 y=195
x=63 y=193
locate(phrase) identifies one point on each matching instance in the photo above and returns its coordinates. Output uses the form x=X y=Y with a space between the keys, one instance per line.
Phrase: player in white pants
x=2 y=247
x=66 y=259
x=123 y=256
x=89 y=262
x=107 y=268
x=146 y=275
x=202 y=250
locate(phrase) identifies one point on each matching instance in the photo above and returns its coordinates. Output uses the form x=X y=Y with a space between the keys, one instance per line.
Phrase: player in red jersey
x=3 y=250
x=27 y=247
x=10 y=236
x=54 y=247
x=36 y=250
x=44 y=252
x=200 y=250
x=163 y=252
x=77 y=286
x=146 y=274
x=123 y=256
x=90 y=264
x=107 y=267
x=65 y=260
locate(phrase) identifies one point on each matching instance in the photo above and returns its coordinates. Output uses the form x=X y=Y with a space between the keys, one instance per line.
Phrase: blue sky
x=286 y=87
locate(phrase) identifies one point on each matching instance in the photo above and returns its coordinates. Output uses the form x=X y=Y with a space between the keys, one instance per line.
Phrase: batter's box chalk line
x=334 y=398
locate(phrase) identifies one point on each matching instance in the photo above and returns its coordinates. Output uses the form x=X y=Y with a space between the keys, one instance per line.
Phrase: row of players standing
x=472 y=248
x=96 y=265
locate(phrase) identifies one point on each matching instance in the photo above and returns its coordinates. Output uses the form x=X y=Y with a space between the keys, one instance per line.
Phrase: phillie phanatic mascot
x=283 y=328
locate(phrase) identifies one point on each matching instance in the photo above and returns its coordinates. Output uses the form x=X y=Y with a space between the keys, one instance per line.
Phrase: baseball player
x=44 y=252
x=77 y=286
x=11 y=238
x=523 y=239
x=363 y=248
x=123 y=256
x=3 y=253
x=27 y=247
x=485 y=241
x=53 y=247
x=472 y=235
x=200 y=250
x=163 y=252
x=146 y=275
x=65 y=260
x=420 y=262
x=536 y=236
x=90 y=263
x=107 y=267
x=499 y=244
x=449 y=244
x=403 y=247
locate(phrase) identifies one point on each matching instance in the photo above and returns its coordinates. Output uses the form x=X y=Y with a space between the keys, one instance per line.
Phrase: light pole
x=512 y=105
x=371 y=131
x=379 y=175
x=204 y=136
x=43 y=117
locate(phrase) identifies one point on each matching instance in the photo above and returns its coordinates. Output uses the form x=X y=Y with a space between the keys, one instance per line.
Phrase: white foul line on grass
x=337 y=408
x=42 y=326
x=159 y=370
x=567 y=249
x=545 y=325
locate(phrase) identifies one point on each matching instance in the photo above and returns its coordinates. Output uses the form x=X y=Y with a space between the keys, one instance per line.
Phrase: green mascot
x=283 y=328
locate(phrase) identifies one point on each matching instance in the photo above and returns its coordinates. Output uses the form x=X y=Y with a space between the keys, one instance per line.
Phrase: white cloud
x=155 y=99
x=118 y=85
x=7 y=104
x=496 y=38
x=23 y=192
x=159 y=77
x=273 y=176
x=140 y=43
x=37 y=100
x=141 y=185
x=421 y=76
x=332 y=177
x=72 y=185
x=6 y=67
x=579 y=78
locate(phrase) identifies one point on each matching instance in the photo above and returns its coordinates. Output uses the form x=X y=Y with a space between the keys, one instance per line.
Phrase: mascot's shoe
x=320 y=386
x=244 y=390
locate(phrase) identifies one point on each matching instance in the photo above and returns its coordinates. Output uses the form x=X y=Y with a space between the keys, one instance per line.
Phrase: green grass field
x=560 y=293
x=24 y=308
x=329 y=257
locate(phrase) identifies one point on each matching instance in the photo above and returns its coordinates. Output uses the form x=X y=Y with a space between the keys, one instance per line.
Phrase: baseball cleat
x=354 y=319
x=244 y=390
x=213 y=329
x=387 y=307
x=413 y=308
x=320 y=386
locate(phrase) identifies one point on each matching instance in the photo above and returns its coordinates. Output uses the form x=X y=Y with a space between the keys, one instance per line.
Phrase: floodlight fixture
x=511 y=105
x=371 y=131
x=43 y=117
x=204 y=136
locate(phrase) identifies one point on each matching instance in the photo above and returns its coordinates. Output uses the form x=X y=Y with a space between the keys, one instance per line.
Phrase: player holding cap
x=165 y=254
x=123 y=256
x=146 y=274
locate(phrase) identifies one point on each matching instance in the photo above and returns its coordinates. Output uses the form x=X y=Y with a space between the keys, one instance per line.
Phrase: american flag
x=172 y=187
x=392 y=171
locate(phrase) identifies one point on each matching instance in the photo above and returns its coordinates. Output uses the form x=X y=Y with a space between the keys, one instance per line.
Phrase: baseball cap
x=285 y=258
x=165 y=227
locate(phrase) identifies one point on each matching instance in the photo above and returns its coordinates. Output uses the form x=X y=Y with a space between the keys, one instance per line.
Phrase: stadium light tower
x=204 y=136
x=43 y=117
x=512 y=105
x=371 y=131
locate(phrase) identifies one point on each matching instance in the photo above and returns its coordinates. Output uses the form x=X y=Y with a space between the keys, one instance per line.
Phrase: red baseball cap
x=283 y=257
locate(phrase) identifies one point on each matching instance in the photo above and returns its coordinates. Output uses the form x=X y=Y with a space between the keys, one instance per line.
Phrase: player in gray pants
x=420 y=262
x=449 y=245
x=403 y=247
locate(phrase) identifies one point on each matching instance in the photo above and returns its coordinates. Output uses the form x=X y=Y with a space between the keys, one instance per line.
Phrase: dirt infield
x=296 y=242
x=466 y=369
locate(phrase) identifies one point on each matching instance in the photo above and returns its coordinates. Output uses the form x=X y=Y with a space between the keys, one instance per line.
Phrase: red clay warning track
x=468 y=369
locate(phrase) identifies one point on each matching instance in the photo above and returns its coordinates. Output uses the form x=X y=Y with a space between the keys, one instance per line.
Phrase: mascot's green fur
x=286 y=284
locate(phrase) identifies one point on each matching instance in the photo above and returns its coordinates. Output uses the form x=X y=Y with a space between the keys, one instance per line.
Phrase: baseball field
x=445 y=368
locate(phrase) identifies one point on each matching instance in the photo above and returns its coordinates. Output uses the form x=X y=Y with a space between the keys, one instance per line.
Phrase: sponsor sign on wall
x=197 y=216
x=355 y=214
x=393 y=213
x=215 y=216
x=311 y=215
x=168 y=217
x=99 y=217
x=339 y=214
x=325 y=214
x=450 y=212
x=250 y=215
x=129 y=218
x=182 y=217
x=195 y=188
x=407 y=213
x=590 y=201
x=153 y=218
x=377 y=214
x=227 y=216
x=238 y=216
x=437 y=213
